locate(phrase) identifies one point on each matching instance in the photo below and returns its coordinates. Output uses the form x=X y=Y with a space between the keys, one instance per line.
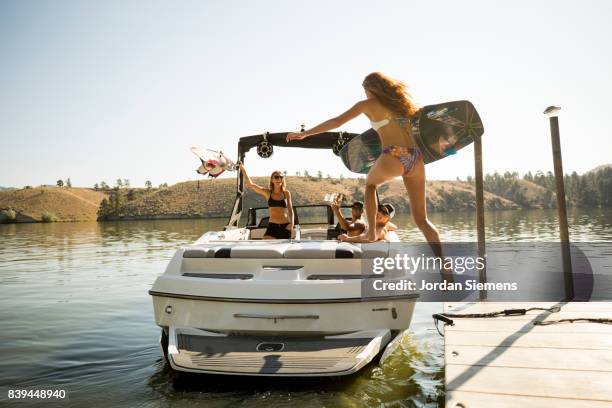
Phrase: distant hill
x=524 y=193
x=214 y=198
x=67 y=204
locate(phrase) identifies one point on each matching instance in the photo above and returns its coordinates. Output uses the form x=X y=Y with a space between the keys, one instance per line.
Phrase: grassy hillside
x=524 y=193
x=66 y=204
x=214 y=198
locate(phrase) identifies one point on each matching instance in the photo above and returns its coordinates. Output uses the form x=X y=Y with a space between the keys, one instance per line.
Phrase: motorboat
x=234 y=303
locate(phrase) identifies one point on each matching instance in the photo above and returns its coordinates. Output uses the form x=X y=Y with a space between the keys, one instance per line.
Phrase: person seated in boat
x=391 y=209
x=357 y=225
x=383 y=227
x=280 y=208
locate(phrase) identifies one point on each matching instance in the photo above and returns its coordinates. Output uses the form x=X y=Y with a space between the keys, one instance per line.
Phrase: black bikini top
x=277 y=203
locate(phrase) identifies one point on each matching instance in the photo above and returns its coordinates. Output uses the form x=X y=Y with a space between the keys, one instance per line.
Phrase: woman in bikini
x=389 y=108
x=280 y=208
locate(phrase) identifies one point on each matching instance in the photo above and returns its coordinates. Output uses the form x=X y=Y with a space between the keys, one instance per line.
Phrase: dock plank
x=517 y=357
x=509 y=324
x=483 y=307
x=534 y=340
x=534 y=382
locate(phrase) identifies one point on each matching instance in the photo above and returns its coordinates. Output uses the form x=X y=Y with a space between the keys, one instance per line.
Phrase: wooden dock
x=510 y=362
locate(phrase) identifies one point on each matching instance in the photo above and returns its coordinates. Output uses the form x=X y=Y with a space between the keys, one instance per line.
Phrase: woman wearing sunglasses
x=280 y=209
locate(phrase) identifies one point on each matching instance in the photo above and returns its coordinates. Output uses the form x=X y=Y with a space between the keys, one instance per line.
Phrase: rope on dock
x=578 y=319
x=446 y=317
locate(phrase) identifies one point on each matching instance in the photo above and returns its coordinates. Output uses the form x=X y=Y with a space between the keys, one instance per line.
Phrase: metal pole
x=480 y=227
x=238 y=202
x=561 y=207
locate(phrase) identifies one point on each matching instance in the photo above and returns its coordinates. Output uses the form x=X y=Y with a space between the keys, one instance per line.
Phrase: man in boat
x=383 y=226
x=357 y=224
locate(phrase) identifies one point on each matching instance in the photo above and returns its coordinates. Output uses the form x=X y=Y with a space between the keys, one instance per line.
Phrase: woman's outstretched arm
x=248 y=183
x=332 y=123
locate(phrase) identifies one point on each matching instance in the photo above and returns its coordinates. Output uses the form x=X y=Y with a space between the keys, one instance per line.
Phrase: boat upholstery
x=277 y=249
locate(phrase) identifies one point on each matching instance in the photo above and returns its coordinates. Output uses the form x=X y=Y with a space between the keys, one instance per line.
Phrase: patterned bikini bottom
x=408 y=156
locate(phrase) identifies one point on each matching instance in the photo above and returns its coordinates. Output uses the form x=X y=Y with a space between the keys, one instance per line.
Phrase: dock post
x=552 y=113
x=480 y=227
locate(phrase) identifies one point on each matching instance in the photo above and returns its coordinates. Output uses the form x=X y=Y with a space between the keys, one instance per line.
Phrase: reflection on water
x=76 y=314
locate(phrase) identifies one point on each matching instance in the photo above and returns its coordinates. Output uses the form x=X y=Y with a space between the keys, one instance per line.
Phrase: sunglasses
x=278 y=177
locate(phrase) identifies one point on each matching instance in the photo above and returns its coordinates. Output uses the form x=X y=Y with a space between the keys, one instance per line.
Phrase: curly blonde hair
x=391 y=93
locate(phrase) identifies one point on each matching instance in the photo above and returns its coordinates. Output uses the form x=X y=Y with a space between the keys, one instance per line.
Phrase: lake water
x=76 y=315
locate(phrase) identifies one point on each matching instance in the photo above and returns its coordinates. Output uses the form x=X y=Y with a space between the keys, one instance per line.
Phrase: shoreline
x=28 y=220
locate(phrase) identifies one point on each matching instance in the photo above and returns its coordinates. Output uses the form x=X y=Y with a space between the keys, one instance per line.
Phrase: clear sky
x=97 y=90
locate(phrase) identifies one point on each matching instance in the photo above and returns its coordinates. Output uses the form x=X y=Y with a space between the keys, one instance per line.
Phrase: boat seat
x=233 y=250
x=276 y=249
x=260 y=251
x=322 y=250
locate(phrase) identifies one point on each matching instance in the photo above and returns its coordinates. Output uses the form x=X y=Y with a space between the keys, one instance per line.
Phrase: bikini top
x=277 y=203
x=377 y=125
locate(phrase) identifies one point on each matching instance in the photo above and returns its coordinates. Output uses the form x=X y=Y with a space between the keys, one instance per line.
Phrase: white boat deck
x=510 y=362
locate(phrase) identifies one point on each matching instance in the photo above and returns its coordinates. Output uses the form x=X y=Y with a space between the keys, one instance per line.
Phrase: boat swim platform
x=508 y=361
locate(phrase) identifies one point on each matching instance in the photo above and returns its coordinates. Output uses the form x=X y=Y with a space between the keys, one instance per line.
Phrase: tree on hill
x=319 y=174
x=60 y=183
x=126 y=182
x=68 y=183
x=116 y=200
x=103 y=185
x=119 y=183
x=104 y=210
x=96 y=187
x=306 y=174
x=592 y=189
x=148 y=184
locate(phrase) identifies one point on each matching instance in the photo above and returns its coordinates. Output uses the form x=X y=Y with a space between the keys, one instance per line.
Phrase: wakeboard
x=213 y=163
x=439 y=131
